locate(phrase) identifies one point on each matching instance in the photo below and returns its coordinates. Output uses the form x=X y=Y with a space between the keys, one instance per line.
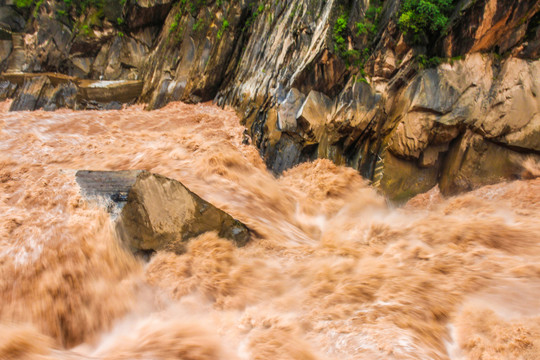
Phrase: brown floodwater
x=332 y=271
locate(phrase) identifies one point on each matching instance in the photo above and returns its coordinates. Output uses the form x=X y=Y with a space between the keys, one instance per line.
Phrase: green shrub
x=373 y=12
x=79 y=6
x=36 y=8
x=340 y=30
x=367 y=27
x=363 y=28
x=224 y=27
x=23 y=3
x=425 y=62
x=85 y=29
x=422 y=20
x=174 y=24
x=250 y=20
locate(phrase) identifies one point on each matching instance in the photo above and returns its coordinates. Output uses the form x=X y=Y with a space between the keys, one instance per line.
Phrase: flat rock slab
x=153 y=212
x=106 y=91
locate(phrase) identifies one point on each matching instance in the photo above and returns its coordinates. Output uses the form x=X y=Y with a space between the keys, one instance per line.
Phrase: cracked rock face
x=462 y=123
x=157 y=213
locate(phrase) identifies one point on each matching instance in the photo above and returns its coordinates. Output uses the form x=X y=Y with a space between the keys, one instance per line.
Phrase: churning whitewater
x=332 y=271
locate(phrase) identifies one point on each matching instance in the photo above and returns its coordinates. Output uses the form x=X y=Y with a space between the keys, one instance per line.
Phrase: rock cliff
x=346 y=80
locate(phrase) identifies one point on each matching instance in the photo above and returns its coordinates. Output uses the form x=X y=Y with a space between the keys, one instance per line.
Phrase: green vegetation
x=198 y=25
x=174 y=24
x=370 y=23
x=36 y=8
x=425 y=62
x=224 y=27
x=253 y=16
x=361 y=78
x=68 y=11
x=85 y=29
x=24 y=3
x=366 y=29
x=81 y=6
x=340 y=30
x=424 y=20
x=193 y=6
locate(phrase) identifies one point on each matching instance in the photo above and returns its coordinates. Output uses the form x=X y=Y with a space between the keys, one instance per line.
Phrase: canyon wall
x=312 y=79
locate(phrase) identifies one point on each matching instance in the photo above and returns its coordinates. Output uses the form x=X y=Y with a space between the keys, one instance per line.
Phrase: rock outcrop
x=407 y=115
x=153 y=212
x=50 y=91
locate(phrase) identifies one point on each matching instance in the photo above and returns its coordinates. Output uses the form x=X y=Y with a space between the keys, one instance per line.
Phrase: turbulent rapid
x=332 y=270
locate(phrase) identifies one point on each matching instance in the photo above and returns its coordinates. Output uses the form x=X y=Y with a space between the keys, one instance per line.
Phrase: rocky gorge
x=341 y=80
x=277 y=179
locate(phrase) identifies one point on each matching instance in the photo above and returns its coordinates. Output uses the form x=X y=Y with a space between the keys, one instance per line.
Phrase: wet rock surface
x=153 y=212
x=51 y=91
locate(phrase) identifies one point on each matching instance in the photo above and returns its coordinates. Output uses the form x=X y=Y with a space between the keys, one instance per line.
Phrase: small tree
x=422 y=20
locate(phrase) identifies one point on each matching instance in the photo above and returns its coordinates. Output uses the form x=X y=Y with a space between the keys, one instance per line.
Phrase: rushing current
x=332 y=271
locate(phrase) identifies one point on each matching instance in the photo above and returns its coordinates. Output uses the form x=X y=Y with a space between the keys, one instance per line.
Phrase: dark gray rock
x=11 y=20
x=7 y=89
x=288 y=110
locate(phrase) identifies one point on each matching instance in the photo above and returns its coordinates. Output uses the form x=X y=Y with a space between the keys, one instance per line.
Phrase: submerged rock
x=153 y=212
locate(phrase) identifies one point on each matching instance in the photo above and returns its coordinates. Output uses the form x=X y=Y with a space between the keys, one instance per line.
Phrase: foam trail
x=332 y=273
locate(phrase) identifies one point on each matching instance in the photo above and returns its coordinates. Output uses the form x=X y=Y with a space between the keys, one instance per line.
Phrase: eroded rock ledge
x=153 y=212
x=50 y=91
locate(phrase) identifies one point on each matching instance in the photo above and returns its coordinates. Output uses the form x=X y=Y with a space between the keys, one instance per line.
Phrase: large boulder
x=400 y=179
x=157 y=213
x=313 y=115
x=288 y=109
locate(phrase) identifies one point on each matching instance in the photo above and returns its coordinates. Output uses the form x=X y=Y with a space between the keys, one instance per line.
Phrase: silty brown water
x=332 y=272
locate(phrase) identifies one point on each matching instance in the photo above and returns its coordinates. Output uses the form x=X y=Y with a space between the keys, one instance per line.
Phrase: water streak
x=333 y=272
